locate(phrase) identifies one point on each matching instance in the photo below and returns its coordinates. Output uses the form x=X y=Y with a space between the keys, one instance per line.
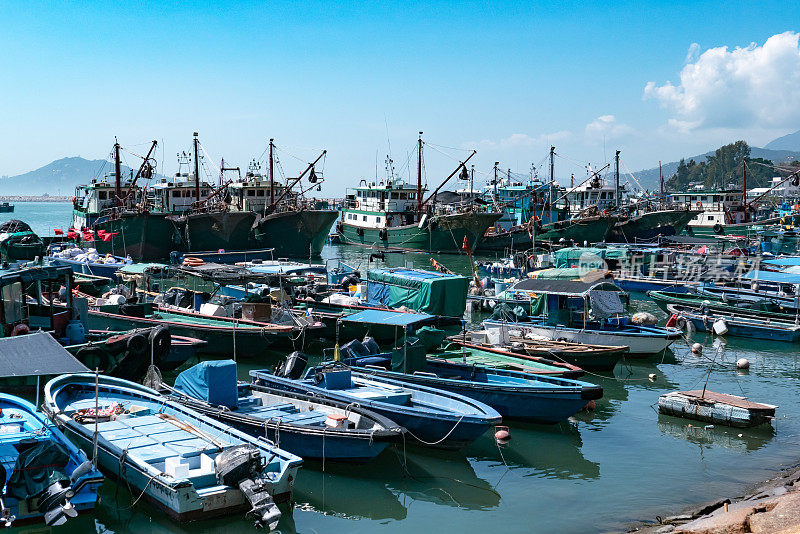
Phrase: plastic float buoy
x=697 y=348
x=653 y=377
x=720 y=327
x=589 y=406
x=502 y=434
x=20 y=330
x=742 y=363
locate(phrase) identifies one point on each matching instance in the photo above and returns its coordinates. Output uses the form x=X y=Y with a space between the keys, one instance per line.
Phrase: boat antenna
x=744 y=188
x=616 y=179
x=660 y=178
x=552 y=178
x=196 y=170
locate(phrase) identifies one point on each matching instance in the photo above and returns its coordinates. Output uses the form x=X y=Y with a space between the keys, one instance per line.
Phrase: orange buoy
x=502 y=434
x=589 y=406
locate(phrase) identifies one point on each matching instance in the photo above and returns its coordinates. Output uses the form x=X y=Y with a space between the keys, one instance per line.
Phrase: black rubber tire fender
x=94 y=357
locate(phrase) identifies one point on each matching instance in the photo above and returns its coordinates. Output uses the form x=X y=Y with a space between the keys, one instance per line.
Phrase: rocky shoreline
x=772 y=506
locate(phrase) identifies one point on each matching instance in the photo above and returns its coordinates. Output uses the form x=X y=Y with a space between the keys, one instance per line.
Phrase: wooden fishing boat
x=187 y=465
x=478 y=353
x=514 y=394
x=716 y=302
x=740 y=323
x=717 y=408
x=575 y=355
x=44 y=476
x=309 y=427
x=432 y=417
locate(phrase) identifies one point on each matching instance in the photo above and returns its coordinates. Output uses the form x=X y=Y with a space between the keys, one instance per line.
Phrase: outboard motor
x=242 y=467
x=293 y=366
x=54 y=504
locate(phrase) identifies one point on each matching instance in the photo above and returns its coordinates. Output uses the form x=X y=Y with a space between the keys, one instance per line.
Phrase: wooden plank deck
x=733 y=400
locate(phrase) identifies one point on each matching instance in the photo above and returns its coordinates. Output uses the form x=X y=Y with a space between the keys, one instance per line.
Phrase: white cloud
x=518 y=140
x=755 y=86
x=607 y=127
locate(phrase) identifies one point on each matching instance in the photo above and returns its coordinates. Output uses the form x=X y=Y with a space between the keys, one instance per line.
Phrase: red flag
x=106 y=237
x=58 y=231
x=466 y=246
x=72 y=235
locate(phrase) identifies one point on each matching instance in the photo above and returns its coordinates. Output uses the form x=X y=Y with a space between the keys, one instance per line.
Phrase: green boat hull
x=294 y=234
x=227 y=230
x=650 y=225
x=142 y=236
x=590 y=229
x=445 y=233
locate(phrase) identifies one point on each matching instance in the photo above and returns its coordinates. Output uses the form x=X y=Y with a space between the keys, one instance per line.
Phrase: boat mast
x=552 y=179
x=494 y=182
x=660 y=178
x=744 y=189
x=196 y=170
x=419 y=176
x=271 y=179
x=117 y=173
x=616 y=179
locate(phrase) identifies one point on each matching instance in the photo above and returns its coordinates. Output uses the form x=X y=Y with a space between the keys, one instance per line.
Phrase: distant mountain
x=59 y=177
x=649 y=177
x=787 y=142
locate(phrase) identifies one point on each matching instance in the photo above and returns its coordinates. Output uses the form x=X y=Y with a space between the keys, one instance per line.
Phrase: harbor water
x=595 y=473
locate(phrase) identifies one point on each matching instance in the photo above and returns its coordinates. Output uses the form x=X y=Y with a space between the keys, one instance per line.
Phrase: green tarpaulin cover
x=422 y=291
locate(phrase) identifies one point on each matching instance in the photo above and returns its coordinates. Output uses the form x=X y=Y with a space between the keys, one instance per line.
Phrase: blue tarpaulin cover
x=769 y=276
x=791 y=260
x=387 y=317
x=211 y=381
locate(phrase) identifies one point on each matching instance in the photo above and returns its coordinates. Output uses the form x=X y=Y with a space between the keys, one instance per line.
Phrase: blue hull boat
x=44 y=476
x=433 y=417
x=310 y=427
x=187 y=465
x=738 y=324
x=514 y=394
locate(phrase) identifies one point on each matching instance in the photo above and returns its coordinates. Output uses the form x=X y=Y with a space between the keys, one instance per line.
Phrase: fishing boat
x=18 y=242
x=432 y=417
x=780 y=289
x=5 y=207
x=581 y=312
x=578 y=355
x=721 y=302
x=114 y=217
x=44 y=476
x=742 y=323
x=393 y=215
x=87 y=262
x=716 y=408
x=310 y=427
x=514 y=394
x=187 y=465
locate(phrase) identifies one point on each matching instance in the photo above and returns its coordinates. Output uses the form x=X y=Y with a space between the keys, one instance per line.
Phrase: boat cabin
x=381 y=205
x=596 y=192
x=28 y=296
x=719 y=207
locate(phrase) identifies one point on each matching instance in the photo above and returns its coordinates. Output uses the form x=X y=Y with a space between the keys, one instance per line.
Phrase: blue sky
x=504 y=78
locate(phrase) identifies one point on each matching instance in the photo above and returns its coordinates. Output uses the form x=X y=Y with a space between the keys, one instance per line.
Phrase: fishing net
x=152 y=378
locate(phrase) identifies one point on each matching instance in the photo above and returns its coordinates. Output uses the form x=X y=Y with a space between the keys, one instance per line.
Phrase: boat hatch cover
x=36 y=354
x=388 y=318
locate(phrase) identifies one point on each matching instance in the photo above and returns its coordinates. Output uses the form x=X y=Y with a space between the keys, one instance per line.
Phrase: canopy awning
x=388 y=318
x=788 y=261
x=47 y=272
x=770 y=276
x=36 y=354
x=572 y=288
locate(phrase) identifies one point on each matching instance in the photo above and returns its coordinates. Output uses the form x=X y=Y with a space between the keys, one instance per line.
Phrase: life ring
x=190 y=261
x=718 y=229
x=699 y=204
x=355 y=204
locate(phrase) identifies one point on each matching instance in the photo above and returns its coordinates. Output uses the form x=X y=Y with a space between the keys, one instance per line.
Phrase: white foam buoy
x=697 y=348
x=502 y=434
x=742 y=363
x=720 y=327
x=653 y=377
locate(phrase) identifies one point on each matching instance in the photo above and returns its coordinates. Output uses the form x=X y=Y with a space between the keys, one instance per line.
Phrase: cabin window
x=403 y=196
x=717 y=198
x=603 y=195
x=412 y=196
x=395 y=195
x=204 y=192
x=176 y=193
x=377 y=219
x=694 y=198
x=260 y=193
x=710 y=217
x=251 y=192
x=12 y=303
x=364 y=218
x=102 y=195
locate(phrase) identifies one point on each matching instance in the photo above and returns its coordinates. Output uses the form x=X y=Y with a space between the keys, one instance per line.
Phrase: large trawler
x=281 y=211
x=112 y=215
x=392 y=214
